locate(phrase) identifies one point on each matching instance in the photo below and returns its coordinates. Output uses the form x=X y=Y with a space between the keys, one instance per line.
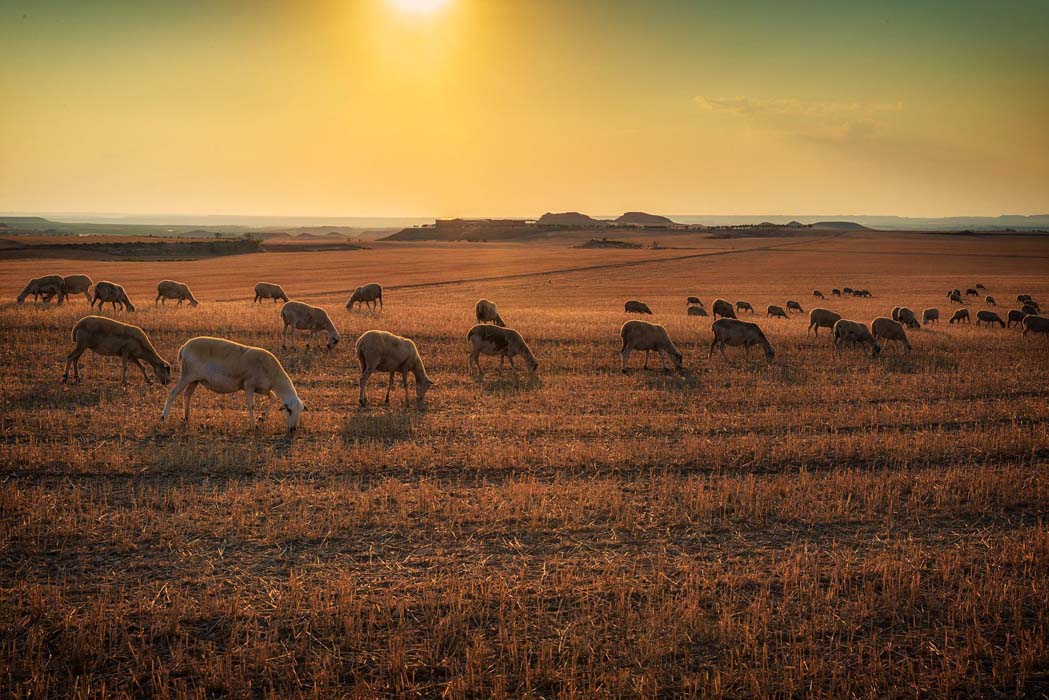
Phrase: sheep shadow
x=388 y=427
x=669 y=380
x=507 y=382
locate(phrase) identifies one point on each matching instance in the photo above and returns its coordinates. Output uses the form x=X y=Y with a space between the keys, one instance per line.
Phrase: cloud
x=751 y=107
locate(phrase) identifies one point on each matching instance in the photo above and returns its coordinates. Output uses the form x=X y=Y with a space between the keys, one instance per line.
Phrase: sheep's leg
x=149 y=382
x=365 y=373
x=390 y=386
x=156 y=300
x=270 y=398
x=646 y=359
x=123 y=372
x=475 y=361
x=404 y=381
x=721 y=348
x=710 y=351
x=249 y=398
x=179 y=387
x=73 y=359
x=623 y=355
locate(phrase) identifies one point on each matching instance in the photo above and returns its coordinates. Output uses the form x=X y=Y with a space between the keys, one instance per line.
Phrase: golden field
x=828 y=526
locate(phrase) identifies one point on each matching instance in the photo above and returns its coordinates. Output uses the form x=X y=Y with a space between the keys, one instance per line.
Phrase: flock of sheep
x=226 y=367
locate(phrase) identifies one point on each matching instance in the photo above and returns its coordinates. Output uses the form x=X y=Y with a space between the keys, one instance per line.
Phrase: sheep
x=847 y=291
x=76 y=284
x=822 y=318
x=862 y=293
x=642 y=335
x=818 y=294
x=906 y=317
x=166 y=289
x=1022 y=298
x=971 y=292
x=114 y=294
x=366 y=294
x=836 y=292
x=1035 y=324
x=885 y=329
x=990 y=318
x=723 y=309
x=729 y=331
x=980 y=286
x=505 y=342
x=386 y=352
x=956 y=298
x=225 y=367
x=960 y=316
x=48 y=287
x=990 y=301
x=1030 y=309
x=853 y=332
x=268 y=290
x=636 y=307
x=110 y=338
x=697 y=311
x=775 y=311
x=931 y=316
x=487 y=312
x=1016 y=317
x=693 y=300
x=312 y=319
x=794 y=306
x=954 y=292
x=744 y=306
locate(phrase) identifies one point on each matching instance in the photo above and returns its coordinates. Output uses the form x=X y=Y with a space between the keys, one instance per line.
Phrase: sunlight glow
x=419 y=6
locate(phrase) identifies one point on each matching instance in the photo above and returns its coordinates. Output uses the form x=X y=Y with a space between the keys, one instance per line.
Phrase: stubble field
x=828 y=526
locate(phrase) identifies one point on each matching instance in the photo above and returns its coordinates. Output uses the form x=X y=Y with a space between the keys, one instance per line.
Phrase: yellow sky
x=515 y=107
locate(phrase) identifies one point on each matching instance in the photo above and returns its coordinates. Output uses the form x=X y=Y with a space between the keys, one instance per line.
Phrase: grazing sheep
x=1021 y=298
x=744 y=306
x=268 y=290
x=1030 y=308
x=1035 y=324
x=836 y=292
x=729 y=331
x=847 y=291
x=723 y=309
x=112 y=293
x=642 y=335
x=1016 y=317
x=225 y=367
x=111 y=338
x=980 y=286
x=775 y=311
x=971 y=292
x=822 y=318
x=852 y=333
x=637 y=307
x=385 y=352
x=956 y=298
x=693 y=300
x=366 y=294
x=48 y=287
x=906 y=317
x=76 y=284
x=303 y=317
x=931 y=316
x=167 y=289
x=1032 y=304
x=487 y=312
x=504 y=342
x=794 y=306
x=885 y=329
x=862 y=293
x=818 y=294
x=697 y=311
x=960 y=316
x=989 y=300
x=989 y=317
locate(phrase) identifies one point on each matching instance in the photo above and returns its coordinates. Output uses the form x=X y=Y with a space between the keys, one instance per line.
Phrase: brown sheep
x=906 y=317
x=1016 y=317
x=822 y=318
x=486 y=312
x=76 y=284
x=504 y=342
x=847 y=291
x=794 y=306
x=167 y=289
x=970 y=292
x=697 y=311
x=862 y=293
x=744 y=306
x=931 y=316
x=989 y=300
x=836 y=292
x=990 y=318
x=980 y=286
x=1030 y=308
x=642 y=335
x=693 y=300
x=1021 y=298
x=226 y=367
x=1035 y=324
x=268 y=290
x=111 y=338
x=48 y=287
x=852 y=333
x=112 y=293
x=303 y=317
x=775 y=311
x=960 y=316
x=379 y=351
x=366 y=294
x=818 y=294
x=729 y=331
x=885 y=329
x=636 y=307
x=722 y=308
x=954 y=292
x=956 y=298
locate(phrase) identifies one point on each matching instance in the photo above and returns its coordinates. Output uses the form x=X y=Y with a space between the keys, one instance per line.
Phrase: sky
x=516 y=107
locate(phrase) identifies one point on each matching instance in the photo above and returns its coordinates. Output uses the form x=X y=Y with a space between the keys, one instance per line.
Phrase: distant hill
x=839 y=226
x=568 y=218
x=640 y=218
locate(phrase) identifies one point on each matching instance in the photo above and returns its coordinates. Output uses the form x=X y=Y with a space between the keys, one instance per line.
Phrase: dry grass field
x=828 y=526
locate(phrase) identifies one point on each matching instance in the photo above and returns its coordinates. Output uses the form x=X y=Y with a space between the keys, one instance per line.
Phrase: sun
x=419 y=6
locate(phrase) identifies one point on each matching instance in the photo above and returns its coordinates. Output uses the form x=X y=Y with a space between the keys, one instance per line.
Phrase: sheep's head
x=333 y=338
x=163 y=372
x=194 y=302
x=421 y=388
x=128 y=304
x=678 y=359
x=770 y=354
x=533 y=364
x=292 y=410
